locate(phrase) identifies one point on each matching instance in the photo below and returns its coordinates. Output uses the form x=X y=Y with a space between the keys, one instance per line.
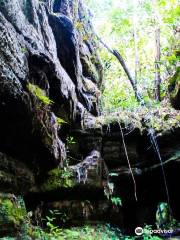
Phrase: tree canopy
x=145 y=33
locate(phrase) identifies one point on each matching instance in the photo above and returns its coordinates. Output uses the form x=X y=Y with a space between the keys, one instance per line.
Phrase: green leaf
x=60 y=121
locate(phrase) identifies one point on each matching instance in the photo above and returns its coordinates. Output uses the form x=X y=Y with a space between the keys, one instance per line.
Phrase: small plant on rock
x=116 y=201
x=39 y=93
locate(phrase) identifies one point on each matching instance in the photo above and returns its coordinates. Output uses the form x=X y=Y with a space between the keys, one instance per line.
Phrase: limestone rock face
x=50 y=81
x=41 y=44
x=174 y=89
x=103 y=134
x=14 y=175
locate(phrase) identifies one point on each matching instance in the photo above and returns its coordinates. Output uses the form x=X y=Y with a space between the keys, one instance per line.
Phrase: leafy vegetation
x=60 y=121
x=70 y=140
x=39 y=93
x=116 y=201
x=79 y=233
x=164 y=218
x=55 y=231
x=11 y=214
x=130 y=27
x=58 y=178
x=104 y=232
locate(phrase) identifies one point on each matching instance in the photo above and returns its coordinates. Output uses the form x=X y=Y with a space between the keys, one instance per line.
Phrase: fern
x=39 y=93
x=60 y=121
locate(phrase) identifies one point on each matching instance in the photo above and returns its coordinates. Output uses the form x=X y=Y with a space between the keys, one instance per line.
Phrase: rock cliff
x=50 y=87
x=48 y=45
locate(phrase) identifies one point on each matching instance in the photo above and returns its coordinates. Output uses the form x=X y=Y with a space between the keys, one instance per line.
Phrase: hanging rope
x=153 y=139
x=129 y=164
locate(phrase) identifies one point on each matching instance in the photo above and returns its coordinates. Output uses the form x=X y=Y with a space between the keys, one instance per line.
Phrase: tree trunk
x=157 y=79
x=132 y=81
x=125 y=68
x=135 y=36
x=157 y=64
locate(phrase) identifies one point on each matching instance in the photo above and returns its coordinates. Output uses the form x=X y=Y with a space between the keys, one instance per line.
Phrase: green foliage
x=38 y=233
x=90 y=233
x=129 y=27
x=79 y=26
x=54 y=231
x=118 y=97
x=103 y=232
x=174 y=83
x=164 y=219
x=24 y=50
x=112 y=174
x=70 y=140
x=147 y=235
x=116 y=201
x=172 y=59
x=60 y=121
x=109 y=192
x=39 y=94
x=58 y=178
x=13 y=215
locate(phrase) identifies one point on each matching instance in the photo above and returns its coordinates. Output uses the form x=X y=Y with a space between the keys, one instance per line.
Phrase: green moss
x=127 y=118
x=12 y=213
x=164 y=119
x=176 y=77
x=89 y=69
x=161 y=118
x=58 y=178
x=174 y=83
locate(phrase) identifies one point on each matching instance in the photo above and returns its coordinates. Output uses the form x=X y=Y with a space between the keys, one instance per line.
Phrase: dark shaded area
x=57 y=6
x=64 y=33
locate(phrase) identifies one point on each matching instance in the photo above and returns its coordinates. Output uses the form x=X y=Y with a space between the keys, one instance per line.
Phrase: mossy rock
x=89 y=70
x=12 y=214
x=174 y=89
x=58 y=178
